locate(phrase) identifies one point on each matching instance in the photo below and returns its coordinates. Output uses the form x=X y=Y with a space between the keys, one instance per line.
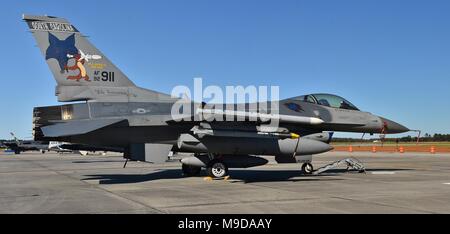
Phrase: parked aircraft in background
x=19 y=146
x=66 y=147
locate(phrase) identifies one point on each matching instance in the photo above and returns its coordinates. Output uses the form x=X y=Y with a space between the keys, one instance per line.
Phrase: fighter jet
x=19 y=146
x=116 y=113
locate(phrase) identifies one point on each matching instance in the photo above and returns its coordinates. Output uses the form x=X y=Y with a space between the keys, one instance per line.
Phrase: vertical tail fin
x=81 y=71
x=72 y=59
x=15 y=138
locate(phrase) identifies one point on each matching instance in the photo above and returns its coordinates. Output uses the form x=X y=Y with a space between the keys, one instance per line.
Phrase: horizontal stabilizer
x=77 y=127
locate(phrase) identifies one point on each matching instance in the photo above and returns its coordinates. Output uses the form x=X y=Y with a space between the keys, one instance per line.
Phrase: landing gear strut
x=217 y=169
x=190 y=170
x=307 y=168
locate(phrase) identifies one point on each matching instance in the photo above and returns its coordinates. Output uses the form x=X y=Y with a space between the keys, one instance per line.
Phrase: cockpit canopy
x=329 y=100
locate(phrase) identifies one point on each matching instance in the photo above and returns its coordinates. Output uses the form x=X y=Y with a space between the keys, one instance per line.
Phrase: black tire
x=217 y=169
x=17 y=152
x=190 y=170
x=307 y=168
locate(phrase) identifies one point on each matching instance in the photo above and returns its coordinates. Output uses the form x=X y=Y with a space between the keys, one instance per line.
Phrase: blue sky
x=391 y=58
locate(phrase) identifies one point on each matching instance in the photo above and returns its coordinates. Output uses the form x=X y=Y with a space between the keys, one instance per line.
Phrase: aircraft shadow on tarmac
x=245 y=176
x=98 y=161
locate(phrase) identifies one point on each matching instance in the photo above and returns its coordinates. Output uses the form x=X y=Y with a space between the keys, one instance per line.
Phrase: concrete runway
x=52 y=183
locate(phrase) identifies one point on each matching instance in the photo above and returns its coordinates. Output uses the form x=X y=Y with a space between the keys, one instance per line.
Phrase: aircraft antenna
x=419 y=132
x=362 y=138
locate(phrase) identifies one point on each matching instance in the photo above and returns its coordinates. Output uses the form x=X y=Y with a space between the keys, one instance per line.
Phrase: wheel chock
x=208 y=178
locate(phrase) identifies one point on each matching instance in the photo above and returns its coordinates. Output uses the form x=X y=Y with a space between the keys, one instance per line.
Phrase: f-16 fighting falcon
x=115 y=113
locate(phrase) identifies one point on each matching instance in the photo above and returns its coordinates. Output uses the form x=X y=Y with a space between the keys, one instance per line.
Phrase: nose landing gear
x=307 y=168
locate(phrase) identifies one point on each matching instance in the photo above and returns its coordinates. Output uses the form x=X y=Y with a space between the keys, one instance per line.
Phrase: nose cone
x=392 y=127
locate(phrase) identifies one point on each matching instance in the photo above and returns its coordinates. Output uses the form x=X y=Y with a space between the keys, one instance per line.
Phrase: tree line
x=426 y=138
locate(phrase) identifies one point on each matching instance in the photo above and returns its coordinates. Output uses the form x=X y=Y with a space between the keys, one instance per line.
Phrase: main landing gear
x=217 y=169
x=214 y=169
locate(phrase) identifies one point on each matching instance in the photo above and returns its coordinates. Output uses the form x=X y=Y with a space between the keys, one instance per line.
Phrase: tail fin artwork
x=81 y=71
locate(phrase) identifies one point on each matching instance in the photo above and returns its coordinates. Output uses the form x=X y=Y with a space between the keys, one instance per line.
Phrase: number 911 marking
x=104 y=76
